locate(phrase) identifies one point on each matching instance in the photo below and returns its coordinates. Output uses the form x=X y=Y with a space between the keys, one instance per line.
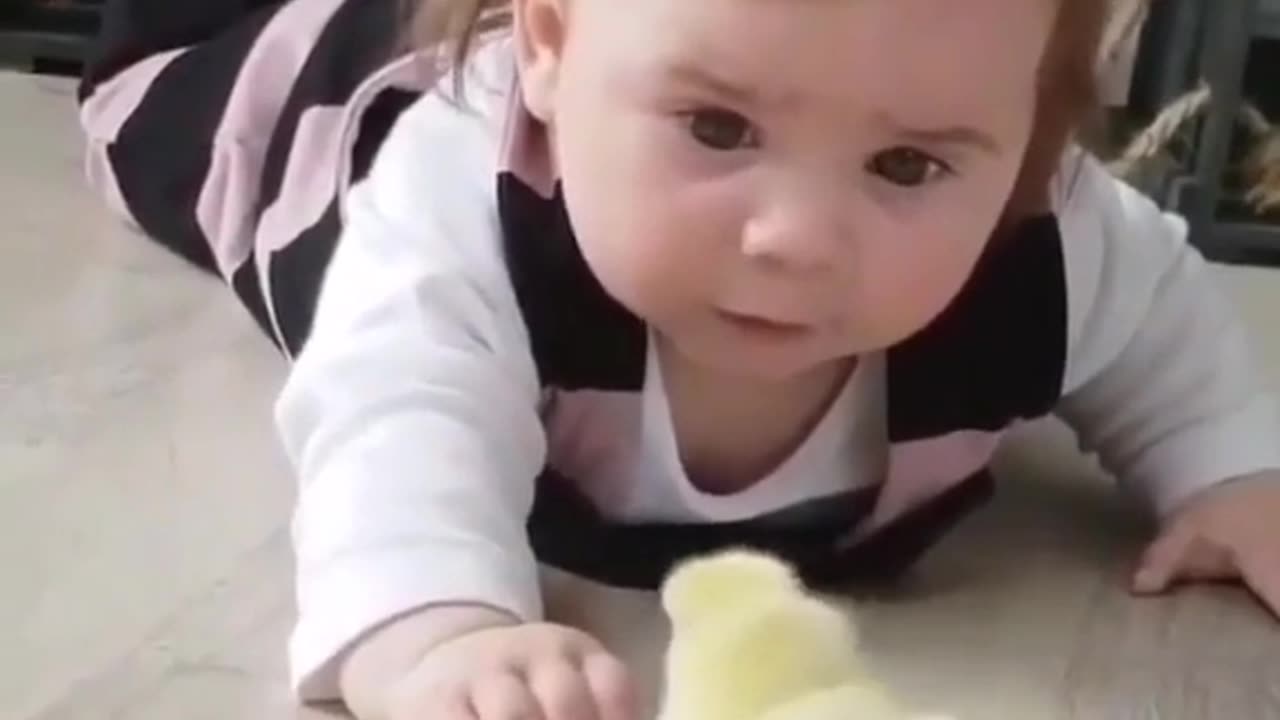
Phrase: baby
x=640 y=280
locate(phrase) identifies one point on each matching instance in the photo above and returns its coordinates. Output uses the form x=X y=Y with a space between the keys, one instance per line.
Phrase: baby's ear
x=539 y=46
x=710 y=585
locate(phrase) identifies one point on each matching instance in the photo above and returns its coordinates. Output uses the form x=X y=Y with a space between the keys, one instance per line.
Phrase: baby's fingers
x=1160 y=563
x=504 y=696
x=441 y=705
x=611 y=686
x=562 y=691
x=1184 y=554
x=1261 y=572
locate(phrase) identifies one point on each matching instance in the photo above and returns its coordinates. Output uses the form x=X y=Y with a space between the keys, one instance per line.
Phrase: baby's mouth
x=757 y=324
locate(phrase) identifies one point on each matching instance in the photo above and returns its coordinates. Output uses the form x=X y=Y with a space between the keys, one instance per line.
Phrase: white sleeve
x=1160 y=379
x=411 y=417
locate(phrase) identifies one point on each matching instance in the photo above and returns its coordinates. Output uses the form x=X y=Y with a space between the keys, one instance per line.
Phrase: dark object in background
x=1230 y=44
x=48 y=36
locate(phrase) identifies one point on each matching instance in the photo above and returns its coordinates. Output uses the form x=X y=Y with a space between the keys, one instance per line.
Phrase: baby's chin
x=765 y=362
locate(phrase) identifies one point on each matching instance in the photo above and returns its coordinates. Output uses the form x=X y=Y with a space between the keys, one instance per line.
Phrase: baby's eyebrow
x=691 y=75
x=956 y=135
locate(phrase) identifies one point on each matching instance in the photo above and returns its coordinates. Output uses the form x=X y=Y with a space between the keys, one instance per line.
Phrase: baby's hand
x=534 y=671
x=1231 y=533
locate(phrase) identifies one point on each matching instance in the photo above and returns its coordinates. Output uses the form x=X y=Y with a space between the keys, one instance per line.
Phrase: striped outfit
x=470 y=401
x=228 y=129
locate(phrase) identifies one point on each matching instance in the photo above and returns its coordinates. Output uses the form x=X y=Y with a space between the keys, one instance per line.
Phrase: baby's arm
x=411 y=416
x=1161 y=380
x=391 y=653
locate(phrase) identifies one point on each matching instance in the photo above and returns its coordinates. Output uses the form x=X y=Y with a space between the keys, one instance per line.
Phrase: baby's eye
x=906 y=167
x=721 y=129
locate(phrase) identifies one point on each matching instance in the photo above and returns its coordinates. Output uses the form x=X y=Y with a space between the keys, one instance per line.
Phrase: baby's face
x=775 y=184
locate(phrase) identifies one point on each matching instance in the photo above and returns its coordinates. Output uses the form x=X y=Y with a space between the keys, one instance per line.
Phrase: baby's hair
x=1068 y=95
x=450 y=28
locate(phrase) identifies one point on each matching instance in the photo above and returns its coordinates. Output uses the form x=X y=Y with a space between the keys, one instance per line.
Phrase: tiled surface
x=144 y=509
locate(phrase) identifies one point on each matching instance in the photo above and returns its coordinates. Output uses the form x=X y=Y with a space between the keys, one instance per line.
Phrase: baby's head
x=776 y=184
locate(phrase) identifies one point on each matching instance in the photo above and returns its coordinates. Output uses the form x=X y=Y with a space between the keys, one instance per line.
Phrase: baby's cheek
x=917 y=286
x=644 y=257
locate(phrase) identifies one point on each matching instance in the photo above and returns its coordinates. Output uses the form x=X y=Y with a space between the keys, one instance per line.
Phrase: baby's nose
x=803 y=235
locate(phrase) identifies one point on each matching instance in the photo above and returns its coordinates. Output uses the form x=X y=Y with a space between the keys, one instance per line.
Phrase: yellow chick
x=749 y=642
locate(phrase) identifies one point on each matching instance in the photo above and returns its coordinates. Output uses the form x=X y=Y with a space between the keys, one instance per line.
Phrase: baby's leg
x=207 y=122
x=152 y=98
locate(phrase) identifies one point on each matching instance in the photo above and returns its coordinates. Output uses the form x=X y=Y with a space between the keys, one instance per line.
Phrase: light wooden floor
x=144 y=508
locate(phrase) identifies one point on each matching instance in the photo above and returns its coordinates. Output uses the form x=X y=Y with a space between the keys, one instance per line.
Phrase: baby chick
x=749 y=642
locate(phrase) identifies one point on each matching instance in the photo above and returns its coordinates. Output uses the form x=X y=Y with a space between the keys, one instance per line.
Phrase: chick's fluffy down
x=750 y=643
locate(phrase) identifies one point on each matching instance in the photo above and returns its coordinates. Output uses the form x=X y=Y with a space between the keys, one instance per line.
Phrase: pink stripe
x=309 y=185
x=310 y=179
x=413 y=72
x=225 y=207
x=111 y=104
x=102 y=116
x=102 y=178
x=319 y=167
x=920 y=470
x=526 y=149
x=590 y=442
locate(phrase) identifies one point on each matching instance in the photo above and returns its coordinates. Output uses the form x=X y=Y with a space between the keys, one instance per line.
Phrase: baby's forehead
x=832 y=50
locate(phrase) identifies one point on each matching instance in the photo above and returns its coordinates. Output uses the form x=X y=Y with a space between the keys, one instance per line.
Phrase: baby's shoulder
x=1120 y=251
x=1111 y=229
x=457 y=122
x=430 y=187
x=1093 y=203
